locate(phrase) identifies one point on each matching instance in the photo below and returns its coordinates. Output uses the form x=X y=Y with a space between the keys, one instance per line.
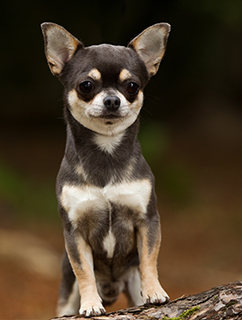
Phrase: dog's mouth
x=110 y=118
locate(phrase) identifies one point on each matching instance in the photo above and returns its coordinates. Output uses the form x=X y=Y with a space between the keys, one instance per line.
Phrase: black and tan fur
x=105 y=188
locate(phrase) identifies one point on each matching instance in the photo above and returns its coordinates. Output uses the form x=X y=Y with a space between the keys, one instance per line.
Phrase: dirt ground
x=201 y=245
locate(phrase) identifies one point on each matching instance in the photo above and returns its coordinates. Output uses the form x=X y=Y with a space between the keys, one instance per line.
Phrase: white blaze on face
x=89 y=114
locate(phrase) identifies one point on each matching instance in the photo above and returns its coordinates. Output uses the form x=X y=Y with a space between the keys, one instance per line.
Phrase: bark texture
x=219 y=303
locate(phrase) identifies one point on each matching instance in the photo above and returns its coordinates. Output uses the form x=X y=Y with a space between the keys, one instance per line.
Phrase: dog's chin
x=109 y=125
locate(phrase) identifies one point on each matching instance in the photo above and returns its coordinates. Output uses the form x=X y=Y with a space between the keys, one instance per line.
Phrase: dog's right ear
x=60 y=46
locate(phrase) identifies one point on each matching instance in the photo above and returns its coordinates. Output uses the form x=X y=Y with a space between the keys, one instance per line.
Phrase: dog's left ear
x=150 y=45
x=60 y=46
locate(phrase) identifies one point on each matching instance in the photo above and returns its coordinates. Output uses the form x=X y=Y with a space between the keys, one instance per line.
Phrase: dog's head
x=104 y=84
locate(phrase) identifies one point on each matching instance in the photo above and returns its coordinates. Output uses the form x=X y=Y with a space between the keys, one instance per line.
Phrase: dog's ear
x=60 y=46
x=150 y=45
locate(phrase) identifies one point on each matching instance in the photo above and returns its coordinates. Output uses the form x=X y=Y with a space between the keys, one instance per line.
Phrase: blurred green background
x=191 y=135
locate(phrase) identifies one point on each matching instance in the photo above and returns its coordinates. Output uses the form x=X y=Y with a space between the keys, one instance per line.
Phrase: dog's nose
x=112 y=103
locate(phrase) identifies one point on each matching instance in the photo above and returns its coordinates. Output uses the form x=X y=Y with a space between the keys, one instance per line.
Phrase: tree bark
x=219 y=303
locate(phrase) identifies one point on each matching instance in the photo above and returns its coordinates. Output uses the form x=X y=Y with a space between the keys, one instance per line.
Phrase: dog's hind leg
x=69 y=298
x=133 y=288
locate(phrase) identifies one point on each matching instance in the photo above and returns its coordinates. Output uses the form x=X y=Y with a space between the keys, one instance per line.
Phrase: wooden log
x=219 y=303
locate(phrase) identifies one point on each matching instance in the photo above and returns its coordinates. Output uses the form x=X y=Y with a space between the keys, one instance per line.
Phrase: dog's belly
x=114 y=249
x=106 y=217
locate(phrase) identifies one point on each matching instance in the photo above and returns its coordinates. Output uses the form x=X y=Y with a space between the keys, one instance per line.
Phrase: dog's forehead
x=111 y=60
x=106 y=55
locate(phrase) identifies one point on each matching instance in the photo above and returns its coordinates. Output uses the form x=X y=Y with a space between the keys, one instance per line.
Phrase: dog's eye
x=86 y=86
x=132 y=88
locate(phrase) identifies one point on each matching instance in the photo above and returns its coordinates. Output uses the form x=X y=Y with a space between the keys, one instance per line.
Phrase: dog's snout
x=112 y=103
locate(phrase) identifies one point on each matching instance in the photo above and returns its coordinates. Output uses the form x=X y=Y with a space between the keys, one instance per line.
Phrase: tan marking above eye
x=124 y=75
x=95 y=74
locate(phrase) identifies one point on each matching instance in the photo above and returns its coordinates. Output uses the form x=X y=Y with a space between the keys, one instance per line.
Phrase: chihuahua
x=105 y=188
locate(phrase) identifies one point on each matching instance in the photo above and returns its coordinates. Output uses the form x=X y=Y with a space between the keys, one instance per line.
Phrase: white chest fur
x=77 y=200
x=108 y=143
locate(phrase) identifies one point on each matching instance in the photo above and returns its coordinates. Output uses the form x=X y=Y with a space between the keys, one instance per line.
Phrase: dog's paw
x=92 y=310
x=155 y=297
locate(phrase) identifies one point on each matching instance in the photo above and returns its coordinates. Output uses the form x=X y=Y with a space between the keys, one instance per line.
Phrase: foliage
x=25 y=198
x=184 y=314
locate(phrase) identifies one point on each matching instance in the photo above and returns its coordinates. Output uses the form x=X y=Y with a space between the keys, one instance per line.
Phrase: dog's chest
x=107 y=216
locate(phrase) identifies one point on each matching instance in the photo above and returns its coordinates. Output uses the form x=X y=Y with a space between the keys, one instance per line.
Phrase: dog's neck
x=100 y=161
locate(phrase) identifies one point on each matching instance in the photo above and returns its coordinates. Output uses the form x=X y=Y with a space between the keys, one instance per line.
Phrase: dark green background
x=196 y=93
x=202 y=62
x=191 y=135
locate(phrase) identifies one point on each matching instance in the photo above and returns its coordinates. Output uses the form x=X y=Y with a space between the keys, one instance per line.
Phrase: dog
x=105 y=188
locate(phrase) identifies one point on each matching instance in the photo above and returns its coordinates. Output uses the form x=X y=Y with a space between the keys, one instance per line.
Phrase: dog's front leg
x=81 y=259
x=149 y=239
